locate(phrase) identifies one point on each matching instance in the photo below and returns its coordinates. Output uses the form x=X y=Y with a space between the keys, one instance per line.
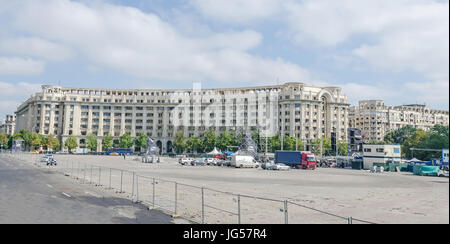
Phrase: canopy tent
x=215 y=152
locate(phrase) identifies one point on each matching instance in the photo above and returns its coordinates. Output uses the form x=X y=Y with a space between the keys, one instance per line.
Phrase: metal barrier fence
x=197 y=204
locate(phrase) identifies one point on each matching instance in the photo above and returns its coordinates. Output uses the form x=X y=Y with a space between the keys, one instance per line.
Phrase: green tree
x=225 y=140
x=26 y=137
x=3 y=140
x=16 y=136
x=107 y=142
x=51 y=142
x=71 y=143
x=400 y=135
x=91 y=142
x=326 y=146
x=438 y=138
x=415 y=141
x=209 y=141
x=342 y=148
x=289 y=143
x=36 y=140
x=275 y=143
x=125 y=141
x=141 y=141
x=180 y=142
x=194 y=144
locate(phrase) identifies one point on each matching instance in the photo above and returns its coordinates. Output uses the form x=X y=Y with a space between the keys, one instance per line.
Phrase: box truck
x=300 y=160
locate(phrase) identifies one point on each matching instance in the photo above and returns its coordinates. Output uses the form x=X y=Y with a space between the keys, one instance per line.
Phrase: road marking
x=50 y=186
x=92 y=194
x=65 y=194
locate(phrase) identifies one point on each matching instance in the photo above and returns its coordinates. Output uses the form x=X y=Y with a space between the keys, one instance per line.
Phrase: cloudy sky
x=374 y=49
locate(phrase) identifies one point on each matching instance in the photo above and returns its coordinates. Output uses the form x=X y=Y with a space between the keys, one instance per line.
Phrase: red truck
x=299 y=160
x=308 y=161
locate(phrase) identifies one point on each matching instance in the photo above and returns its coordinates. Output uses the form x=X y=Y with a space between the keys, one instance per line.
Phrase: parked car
x=281 y=167
x=198 y=163
x=443 y=171
x=268 y=166
x=48 y=159
x=45 y=158
x=211 y=161
x=185 y=161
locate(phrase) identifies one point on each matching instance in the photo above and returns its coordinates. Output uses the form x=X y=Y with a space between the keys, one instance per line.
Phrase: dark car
x=51 y=161
x=198 y=163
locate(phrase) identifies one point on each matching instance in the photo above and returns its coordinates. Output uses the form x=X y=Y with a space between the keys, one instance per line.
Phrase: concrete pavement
x=32 y=196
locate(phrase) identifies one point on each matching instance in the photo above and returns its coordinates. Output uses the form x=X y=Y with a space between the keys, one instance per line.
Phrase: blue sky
x=373 y=49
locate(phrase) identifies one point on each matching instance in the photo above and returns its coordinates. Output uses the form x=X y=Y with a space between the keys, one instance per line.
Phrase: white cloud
x=237 y=11
x=20 y=66
x=35 y=47
x=12 y=94
x=21 y=89
x=357 y=92
x=7 y=107
x=143 y=45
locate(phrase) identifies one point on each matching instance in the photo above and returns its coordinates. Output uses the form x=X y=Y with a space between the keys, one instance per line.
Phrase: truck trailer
x=299 y=160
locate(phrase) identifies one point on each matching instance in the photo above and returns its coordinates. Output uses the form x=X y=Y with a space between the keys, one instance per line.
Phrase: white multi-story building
x=8 y=125
x=292 y=109
x=375 y=119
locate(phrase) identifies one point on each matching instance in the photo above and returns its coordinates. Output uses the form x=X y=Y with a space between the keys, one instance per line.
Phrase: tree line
x=229 y=142
x=224 y=142
x=408 y=137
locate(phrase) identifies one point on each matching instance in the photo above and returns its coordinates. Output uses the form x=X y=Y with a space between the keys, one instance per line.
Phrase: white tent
x=215 y=152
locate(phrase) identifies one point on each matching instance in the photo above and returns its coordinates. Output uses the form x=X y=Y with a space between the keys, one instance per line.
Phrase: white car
x=46 y=158
x=211 y=161
x=281 y=167
x=185 y=161
x=443 y=171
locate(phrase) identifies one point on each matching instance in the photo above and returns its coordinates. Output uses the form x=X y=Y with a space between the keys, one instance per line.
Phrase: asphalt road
x=34 y=196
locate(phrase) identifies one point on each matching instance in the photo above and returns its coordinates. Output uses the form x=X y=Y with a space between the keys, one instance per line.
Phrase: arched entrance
x=159 y=144
x=169 y=147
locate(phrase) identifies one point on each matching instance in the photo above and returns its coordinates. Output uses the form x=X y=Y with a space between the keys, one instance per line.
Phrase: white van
x=240 y=161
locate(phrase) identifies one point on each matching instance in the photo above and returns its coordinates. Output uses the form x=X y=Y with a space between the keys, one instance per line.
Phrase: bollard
x=176 y=198
x=350 y=220
x=285 y=212
x=239 y=209
x=203 y=206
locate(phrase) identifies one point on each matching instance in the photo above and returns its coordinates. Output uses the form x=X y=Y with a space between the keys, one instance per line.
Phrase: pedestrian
x=124 y=156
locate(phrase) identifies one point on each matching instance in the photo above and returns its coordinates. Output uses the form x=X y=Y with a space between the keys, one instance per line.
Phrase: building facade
x=375 y=119
x=355 y=142
x=8 y=125
x=292 y=109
